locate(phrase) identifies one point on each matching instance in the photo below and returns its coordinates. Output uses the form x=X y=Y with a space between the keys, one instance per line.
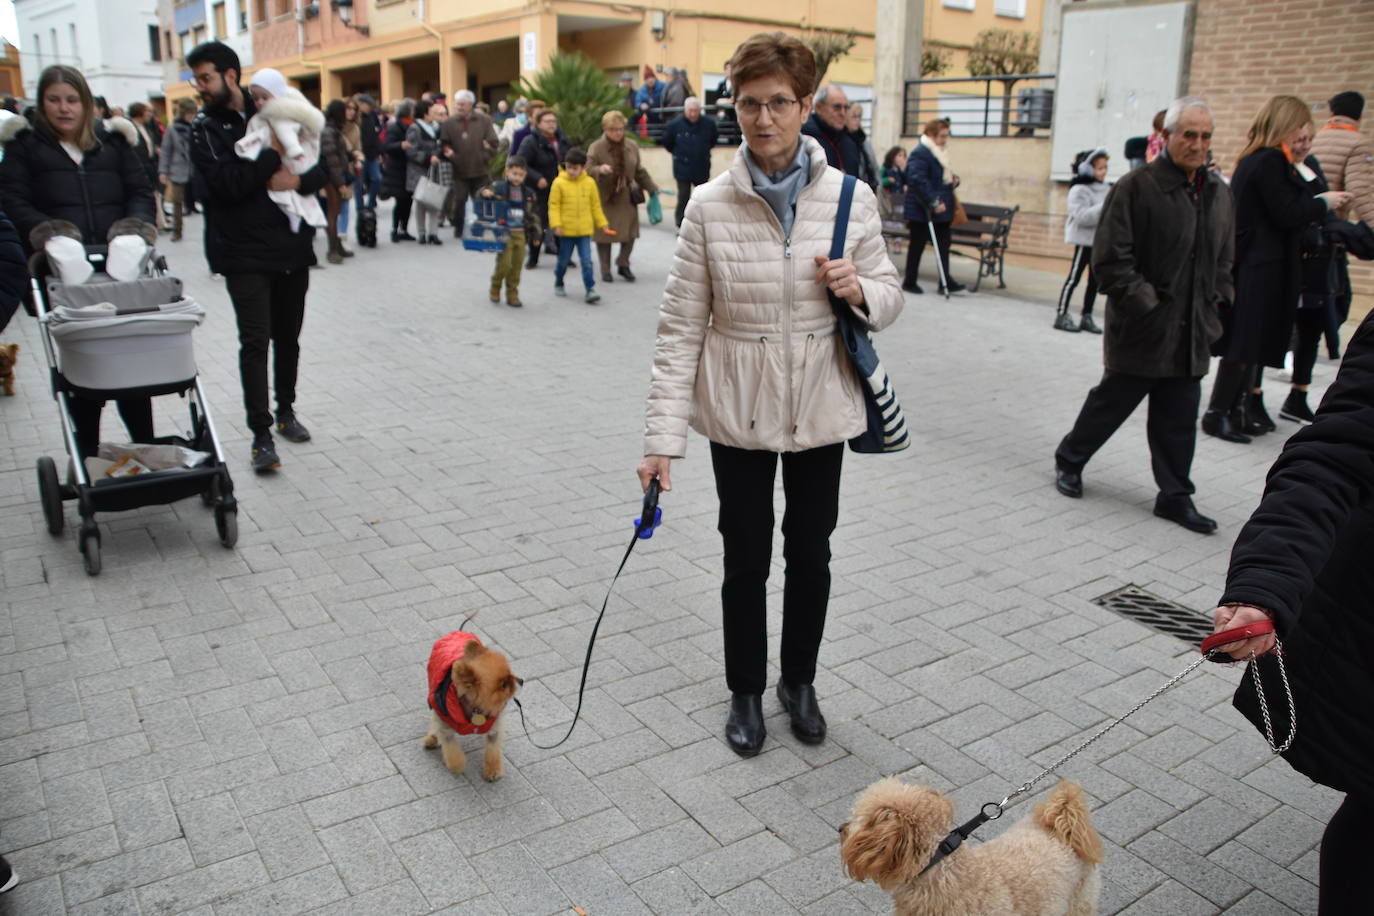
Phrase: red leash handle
x=1237 y=634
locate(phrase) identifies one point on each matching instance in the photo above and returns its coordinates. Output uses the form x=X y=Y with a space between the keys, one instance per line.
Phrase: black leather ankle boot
x=744 y=729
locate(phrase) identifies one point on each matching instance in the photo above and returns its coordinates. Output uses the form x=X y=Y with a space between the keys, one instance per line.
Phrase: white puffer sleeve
x=682 y=321
x=877 y=276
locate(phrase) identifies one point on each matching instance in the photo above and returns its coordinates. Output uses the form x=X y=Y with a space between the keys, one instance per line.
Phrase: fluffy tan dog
x=9 y=355
x=1045 y=864
x=469 y=687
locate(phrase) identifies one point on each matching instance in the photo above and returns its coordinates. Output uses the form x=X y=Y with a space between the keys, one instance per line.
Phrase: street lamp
x=345 y=10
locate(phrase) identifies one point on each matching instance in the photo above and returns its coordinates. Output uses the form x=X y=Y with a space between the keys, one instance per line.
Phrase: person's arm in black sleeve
x=228 y=178
x=16 y=190
x=313 y=180
x=1325 y=471
x=14 y=271
x=1287 y=203
x=138 y=191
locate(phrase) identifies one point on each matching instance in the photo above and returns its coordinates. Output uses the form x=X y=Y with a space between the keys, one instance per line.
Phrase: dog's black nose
x=520 y=681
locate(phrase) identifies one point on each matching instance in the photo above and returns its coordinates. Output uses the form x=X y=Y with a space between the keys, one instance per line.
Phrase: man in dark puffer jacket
x=248 y=238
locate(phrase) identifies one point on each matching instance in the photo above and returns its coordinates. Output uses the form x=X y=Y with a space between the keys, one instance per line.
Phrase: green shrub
x=579 y=90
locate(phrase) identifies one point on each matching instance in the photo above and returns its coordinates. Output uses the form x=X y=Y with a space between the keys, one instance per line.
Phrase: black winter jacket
x=245 y=231
x=1304 y=556
x=691 y=146
x=1273 y=206
x=40 y=182
x=14 y=271
x=840 y=149
x=543 y=160
x=394 y=159
x=369 y=129
x=1164 y=263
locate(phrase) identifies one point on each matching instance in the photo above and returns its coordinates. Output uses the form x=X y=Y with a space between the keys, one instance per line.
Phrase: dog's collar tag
x=478 y=719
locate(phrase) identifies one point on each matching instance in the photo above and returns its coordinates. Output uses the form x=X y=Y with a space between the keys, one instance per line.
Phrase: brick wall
x=1245 y=51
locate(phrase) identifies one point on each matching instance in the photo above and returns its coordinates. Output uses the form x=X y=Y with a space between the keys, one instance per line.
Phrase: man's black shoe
x=800 y=702
x=1295 y=408
x=913 y=288
x=626 y=273
x=744 y=729
x=265 y=453
x=1215 y=423
x=1070 y=483
x=1180 y=509
x=291 y=428
x=955 y=287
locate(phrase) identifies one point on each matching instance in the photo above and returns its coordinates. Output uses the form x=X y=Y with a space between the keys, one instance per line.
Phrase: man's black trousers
x=270 y=308
x=1171 y=426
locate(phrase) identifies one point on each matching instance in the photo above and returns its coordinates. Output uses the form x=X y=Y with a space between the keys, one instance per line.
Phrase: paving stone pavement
x=212 y=731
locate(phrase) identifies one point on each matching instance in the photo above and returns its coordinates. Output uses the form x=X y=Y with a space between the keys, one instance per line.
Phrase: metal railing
x=976 y=107
x=727 y=126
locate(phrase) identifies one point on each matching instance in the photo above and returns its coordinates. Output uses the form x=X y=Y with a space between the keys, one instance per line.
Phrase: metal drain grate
x=1157 y=613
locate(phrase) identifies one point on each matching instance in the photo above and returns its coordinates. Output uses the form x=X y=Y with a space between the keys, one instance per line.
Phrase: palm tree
x=579 y=90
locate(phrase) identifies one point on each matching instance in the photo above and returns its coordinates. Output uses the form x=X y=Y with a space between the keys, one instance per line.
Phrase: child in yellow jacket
x=574 y=214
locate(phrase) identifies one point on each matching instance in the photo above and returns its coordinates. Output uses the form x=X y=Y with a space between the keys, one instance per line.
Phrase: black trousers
x=137 y=414
x=270 y=309
x=920 y=237
x=1308 y=326
x=462 y=189
x=1342 y=882
x=811 y=490
x=1171 y=427
x=400 y=216
x=1082 y=261
x=684 y=194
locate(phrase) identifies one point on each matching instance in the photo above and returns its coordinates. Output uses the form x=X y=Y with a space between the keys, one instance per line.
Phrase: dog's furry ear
x=885 y=840
x=472 y=650
x=1066 y=816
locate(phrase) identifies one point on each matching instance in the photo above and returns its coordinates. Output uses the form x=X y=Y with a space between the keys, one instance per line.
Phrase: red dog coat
x=443 y=697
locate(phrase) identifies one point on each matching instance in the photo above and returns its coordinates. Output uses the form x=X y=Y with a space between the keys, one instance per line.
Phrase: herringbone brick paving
x=211 y=731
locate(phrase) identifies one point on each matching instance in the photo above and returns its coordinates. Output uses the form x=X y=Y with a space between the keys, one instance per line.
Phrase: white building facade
x=116 y=44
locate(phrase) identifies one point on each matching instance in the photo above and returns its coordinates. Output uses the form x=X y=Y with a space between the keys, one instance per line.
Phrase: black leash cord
x=646 y=522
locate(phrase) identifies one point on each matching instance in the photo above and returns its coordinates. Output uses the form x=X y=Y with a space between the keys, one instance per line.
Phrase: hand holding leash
x=1251 y=630
x=655 y=467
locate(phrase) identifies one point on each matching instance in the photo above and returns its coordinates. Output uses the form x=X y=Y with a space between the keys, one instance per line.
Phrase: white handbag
x=430 y=192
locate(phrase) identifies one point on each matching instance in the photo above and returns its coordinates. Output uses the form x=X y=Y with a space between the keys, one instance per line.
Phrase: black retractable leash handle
x=649 y=518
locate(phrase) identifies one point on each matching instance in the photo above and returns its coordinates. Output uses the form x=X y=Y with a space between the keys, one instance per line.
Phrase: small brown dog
x=1046 y=863
x=9 y=355
x=469 y=687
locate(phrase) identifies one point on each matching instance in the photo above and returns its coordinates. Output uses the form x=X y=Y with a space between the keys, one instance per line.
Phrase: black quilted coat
x=40 y=182
x=1304 y=555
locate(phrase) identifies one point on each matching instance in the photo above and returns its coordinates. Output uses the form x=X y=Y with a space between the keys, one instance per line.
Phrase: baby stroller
x=107 y=339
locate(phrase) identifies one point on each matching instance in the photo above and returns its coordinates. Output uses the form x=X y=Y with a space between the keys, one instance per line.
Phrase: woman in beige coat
x=614 y=163
x=747 y=355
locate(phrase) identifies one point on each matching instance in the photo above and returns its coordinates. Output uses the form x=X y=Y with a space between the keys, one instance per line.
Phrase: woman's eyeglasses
x=777 y=106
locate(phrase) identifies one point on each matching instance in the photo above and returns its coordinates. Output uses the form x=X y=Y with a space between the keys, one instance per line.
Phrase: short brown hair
x=775 y=54
x=934 y=126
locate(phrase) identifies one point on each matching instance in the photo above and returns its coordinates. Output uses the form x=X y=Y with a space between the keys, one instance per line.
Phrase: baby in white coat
x=288 y=116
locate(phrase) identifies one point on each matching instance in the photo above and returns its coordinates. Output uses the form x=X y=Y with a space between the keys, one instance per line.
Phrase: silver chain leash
x=1025 y=787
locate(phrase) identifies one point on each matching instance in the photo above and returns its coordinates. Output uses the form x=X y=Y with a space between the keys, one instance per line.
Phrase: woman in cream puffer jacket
x=747 y=353
x=748 y=356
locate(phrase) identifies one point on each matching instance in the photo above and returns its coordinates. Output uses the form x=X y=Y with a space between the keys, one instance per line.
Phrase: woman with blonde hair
x=66 y=166
x=616 y=167
x=1273 y=203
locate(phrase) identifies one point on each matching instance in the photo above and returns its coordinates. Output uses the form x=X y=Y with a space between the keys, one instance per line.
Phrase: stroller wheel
x=50 y=492
x=227 y=524
x=90 y=549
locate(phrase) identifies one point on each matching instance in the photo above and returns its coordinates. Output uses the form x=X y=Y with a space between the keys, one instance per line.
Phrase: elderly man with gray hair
x=690 y=138
x=1162 y=254
x=468 y=139
x=829 y=123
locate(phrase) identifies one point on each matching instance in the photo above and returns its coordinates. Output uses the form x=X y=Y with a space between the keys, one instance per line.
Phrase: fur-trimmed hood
x=293 y=107
x=13 y=127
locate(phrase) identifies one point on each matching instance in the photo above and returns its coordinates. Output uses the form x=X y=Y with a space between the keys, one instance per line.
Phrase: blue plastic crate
x=486 y=228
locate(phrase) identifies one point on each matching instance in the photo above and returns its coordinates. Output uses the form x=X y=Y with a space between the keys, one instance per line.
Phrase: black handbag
x=887 y=430
x=636 y=194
